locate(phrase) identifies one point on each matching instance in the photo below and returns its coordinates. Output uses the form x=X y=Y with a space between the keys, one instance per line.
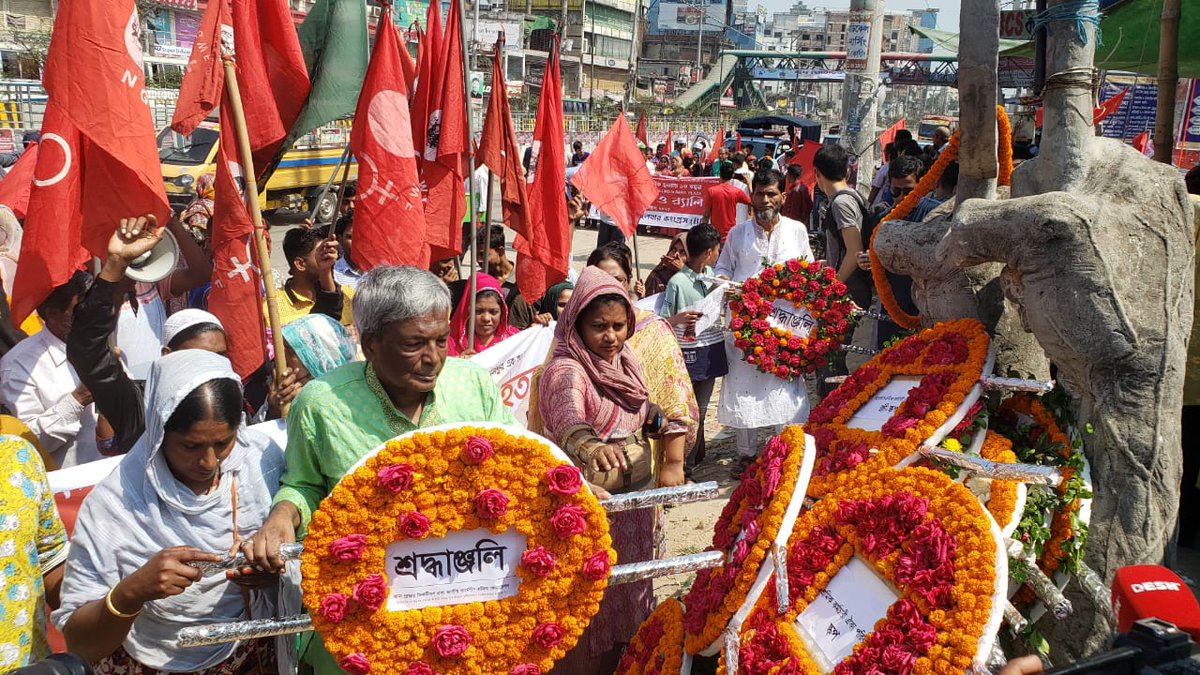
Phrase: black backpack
x=870 y=219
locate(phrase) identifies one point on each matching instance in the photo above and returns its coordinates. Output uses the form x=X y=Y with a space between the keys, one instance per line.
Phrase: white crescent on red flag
x=389 y=217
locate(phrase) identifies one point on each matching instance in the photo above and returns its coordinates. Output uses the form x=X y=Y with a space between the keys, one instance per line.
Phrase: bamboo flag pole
x=234 y=99
x=345 y=158
x=341 y=192
x=462 y=31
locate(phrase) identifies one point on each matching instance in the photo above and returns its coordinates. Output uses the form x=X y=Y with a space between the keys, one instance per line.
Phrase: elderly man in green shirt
x=407 y=383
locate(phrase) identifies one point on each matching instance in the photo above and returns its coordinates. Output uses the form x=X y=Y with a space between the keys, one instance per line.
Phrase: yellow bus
x=931 y=122
x=296 y=183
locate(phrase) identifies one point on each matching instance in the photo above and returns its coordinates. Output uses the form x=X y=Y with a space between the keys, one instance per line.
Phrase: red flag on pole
x=235 y=295
x=889 y=136
x=717 y=145
x=429 y=77
x=446 y=148
x=498 y=151
x=641 y=130
x=668 y=143
x=737 y=147
x=804 y=158
x=410 y=70
x=18 y=182
x=104 y=159
x=617 y=181
x=389 y=219
x=204 y=78
x=544 y=257
x=1108 y=107
x=1144 y=144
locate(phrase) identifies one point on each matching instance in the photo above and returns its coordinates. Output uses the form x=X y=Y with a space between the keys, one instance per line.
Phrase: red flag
x=105 y=158
x=1144 y=144
x=235 y=298
x=617 y=181
x=1108 y=107
x=410 y=69
x=204 y=76
x=737 y=147
x=429 y=77
x=804 y=157
x=641 y=130
x=544 y=257
x=446 y=147
x=889 y=136
x=18 y=182
x=717 y=145
x=499 y=152
x=670 y=146
x=389 y=219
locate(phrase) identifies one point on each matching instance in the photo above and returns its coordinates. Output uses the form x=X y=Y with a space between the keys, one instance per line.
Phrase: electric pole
x=860 y=94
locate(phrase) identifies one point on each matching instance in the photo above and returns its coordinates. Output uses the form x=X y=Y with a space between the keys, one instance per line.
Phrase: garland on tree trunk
x=926 y=185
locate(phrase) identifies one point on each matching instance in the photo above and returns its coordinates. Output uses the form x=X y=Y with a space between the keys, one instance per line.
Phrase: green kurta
x=339 y=418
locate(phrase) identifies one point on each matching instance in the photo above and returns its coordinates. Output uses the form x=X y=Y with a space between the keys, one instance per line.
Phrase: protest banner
x=512 y=364
x=680 y=203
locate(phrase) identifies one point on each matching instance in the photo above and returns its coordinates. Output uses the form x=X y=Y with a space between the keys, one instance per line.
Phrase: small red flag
x=104 y=159
x=641 y=130
x=446 y=148
x=717 y=145
x=617 y=182
x=18 y=182
x=429 y=77
x=498 y=151
x=389 y=218
x=235 y=298
x=737 y=147
x=804 y=158
x=889 y=136
x=1144 y=144
x=544 y=257
x=204 y=76
x=670 y=146
x=1108 y=107
x=410 y=70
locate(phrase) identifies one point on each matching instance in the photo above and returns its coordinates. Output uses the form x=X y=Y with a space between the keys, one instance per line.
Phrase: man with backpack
x=848 y=222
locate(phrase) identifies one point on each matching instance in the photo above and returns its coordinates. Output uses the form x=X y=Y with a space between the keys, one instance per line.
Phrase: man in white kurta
x=750 y=399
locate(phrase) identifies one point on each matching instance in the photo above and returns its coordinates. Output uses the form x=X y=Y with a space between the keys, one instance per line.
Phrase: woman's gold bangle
x=113 y=610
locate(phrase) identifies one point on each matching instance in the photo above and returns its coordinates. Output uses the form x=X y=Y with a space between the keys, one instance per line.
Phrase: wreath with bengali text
x=657 y=647
x=777 y=349
x=928 y=538
x=443 y=480
x=947 y=361
x=761 y=507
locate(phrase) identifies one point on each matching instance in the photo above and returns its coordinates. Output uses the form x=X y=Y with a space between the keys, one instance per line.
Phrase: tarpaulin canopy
x=1130 y=30
x=949 y=41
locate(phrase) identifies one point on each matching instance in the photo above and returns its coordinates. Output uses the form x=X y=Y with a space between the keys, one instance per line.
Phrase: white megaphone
x=157 y=263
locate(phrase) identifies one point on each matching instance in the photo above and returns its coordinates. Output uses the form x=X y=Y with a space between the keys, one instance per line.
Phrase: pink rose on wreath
x=450 y=641
x=491 y=504
x=737 y=324
x=395 y=478
x=333 y=607
x=414 y=525
x=355 y=664
x=370 y=593
x=768 y=274
x=568 y=521
x=548 y=635
x=349 y=548
x=418 y=668
x=539 y=560
x=596 y=567
x=793 y=266
x=526 y=669
x=564 y=480
x=478 y=450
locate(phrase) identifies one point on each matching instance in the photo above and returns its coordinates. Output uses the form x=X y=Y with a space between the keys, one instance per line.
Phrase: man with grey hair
x=406 y=383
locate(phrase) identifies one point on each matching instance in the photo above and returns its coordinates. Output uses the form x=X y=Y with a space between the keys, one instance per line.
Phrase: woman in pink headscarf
x=491 y=319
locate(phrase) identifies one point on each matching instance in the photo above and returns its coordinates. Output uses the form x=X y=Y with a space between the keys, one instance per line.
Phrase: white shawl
x=141 y=509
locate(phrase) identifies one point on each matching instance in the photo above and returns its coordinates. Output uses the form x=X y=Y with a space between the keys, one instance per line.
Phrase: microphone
x=1154 y=592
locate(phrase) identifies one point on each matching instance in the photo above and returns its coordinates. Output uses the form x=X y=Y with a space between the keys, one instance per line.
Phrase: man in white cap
x=116 y=393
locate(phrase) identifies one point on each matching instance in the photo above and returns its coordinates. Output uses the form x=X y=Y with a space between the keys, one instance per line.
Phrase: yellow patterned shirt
x=33 y=541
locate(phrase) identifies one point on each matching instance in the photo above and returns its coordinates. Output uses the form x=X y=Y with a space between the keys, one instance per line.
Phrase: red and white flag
x=544 y=256
x=498 y=152
x=389 y=218
x=616 y=180
x=446 y=147
x=98 y=153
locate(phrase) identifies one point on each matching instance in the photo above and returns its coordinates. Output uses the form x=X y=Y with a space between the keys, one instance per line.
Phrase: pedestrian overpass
x=742 y=69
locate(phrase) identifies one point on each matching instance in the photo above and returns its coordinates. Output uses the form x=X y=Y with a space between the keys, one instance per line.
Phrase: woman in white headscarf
x=195 y=482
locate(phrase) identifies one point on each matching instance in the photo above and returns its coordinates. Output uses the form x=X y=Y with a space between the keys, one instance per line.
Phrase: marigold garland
x=754 y=513
x=926 y=185
x=465 y=478
x=657 y=647
x=1038 y=443
x=812 y=287
x=1003 y=498
x=927 y=536
x=949 y=358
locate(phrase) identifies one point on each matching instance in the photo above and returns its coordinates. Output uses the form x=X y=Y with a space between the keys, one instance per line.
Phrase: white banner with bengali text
x=512 y=364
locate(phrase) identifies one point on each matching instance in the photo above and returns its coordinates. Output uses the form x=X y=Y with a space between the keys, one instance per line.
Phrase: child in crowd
x=704 y=353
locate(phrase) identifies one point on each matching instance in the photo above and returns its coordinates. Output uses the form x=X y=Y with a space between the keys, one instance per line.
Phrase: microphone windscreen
x=1154 y=592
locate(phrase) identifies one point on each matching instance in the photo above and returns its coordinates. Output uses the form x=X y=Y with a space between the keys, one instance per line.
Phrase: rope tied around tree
x=1079 y=12
x=926 y=185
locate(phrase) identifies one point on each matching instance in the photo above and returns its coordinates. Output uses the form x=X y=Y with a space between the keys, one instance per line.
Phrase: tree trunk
x=978 y=54
x=1168 y=79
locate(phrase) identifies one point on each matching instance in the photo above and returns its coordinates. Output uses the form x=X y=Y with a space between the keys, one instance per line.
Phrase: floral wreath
x=657 y=647
x=760 y=512
x=446 y=479
x=925 y=535
x=813 y=288
x=949 y=358
x=926 y=185
x=1053 y=526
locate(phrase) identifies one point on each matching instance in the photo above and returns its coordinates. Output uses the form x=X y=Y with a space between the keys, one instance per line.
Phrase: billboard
x=676 y=18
